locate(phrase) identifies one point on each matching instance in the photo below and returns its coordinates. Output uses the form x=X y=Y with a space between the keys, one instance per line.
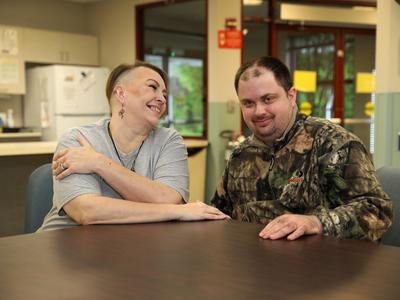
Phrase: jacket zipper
x=269 y=182
x=272 y=163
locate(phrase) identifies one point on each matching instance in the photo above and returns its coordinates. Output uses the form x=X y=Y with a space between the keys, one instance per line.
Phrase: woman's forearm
x=132 y=186
x=94 y=209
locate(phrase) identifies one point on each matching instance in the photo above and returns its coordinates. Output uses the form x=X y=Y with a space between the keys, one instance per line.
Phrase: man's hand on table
x=291 y=225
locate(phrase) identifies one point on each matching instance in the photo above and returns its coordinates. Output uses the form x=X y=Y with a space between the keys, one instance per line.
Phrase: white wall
x=114 y=23
x=222 y=63
x=44 y=14
x=388 y=47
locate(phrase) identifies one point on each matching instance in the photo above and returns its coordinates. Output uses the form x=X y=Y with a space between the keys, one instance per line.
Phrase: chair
x=390 y=180
x=39 y=198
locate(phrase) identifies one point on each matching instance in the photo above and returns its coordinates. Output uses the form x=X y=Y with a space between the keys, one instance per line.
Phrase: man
x=299 y=175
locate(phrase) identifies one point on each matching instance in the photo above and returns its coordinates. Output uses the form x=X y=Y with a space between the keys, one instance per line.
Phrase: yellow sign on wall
x=305 y=81
x=365 y=83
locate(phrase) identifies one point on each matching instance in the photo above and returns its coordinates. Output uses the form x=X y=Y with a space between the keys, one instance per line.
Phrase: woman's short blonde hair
x=123 y=69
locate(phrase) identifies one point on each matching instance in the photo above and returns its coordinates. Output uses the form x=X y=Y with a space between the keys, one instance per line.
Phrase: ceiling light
x=252 y=2
x=364 y=8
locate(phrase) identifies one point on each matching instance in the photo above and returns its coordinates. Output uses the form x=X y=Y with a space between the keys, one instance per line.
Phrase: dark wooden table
x=199 y=260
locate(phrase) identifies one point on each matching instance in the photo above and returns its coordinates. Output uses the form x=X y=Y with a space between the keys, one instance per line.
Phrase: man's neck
x=271 y=142
x=290 y=124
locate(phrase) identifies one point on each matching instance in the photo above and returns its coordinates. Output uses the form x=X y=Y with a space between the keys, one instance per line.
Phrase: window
x=311 y=51
x=173 y=37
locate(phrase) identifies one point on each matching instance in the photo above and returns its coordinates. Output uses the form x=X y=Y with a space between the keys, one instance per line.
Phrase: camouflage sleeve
x=221 y=199
x=356 y=205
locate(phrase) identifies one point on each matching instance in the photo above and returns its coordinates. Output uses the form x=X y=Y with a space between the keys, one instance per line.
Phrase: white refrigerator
x=60 y=97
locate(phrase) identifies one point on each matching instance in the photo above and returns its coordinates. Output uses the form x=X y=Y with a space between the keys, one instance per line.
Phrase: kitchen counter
x=17 y=135
x=27 y=148
x=31 y=148
x=7 y=137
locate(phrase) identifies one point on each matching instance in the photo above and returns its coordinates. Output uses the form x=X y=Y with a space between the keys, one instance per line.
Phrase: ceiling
x=82 y=1
x=191 y=11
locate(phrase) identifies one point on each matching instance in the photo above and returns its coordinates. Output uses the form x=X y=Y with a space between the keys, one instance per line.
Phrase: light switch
x=230 y=106
x=398 y=141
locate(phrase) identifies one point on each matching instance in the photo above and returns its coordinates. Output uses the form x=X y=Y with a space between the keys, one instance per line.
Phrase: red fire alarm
x=230 y=23
x=230 y=38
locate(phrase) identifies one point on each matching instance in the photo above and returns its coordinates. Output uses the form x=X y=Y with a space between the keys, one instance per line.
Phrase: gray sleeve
x=73 y=185
x=172 y=166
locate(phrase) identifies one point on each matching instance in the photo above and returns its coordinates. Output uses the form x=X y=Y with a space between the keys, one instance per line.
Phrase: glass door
x=344 y=62
x=359 y=65
x=311 y=51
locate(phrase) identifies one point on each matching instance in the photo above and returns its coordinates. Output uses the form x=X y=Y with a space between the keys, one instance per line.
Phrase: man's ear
x=292 y=95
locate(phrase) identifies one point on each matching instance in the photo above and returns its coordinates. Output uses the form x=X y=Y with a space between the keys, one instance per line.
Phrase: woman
x=125 y=157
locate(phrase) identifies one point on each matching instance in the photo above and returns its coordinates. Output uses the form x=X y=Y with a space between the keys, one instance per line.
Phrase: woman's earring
x=121 y=112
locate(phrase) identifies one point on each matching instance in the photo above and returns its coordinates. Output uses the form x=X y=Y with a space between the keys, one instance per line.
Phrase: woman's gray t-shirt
x=162 y=157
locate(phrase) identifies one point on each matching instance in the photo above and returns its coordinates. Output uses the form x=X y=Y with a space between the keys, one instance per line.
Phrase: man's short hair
x=276 y=66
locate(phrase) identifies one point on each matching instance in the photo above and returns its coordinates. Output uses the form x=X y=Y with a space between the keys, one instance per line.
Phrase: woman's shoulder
x=90 y=131
x=166 y=133
x=165 y=136
x=97 y=127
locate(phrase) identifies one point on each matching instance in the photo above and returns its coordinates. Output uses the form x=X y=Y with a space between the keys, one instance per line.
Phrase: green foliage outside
x=188 y=99
x=315 y=52
x=349 y=88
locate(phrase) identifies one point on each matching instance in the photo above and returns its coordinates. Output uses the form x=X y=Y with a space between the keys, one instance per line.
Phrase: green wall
x=387 y=129
x=218 y=120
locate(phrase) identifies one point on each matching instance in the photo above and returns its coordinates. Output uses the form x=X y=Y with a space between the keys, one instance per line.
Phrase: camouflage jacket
x=317 y=168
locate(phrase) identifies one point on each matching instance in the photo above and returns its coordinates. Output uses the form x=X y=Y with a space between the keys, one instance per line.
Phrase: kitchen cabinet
x=12 y=69
x=45 y=46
